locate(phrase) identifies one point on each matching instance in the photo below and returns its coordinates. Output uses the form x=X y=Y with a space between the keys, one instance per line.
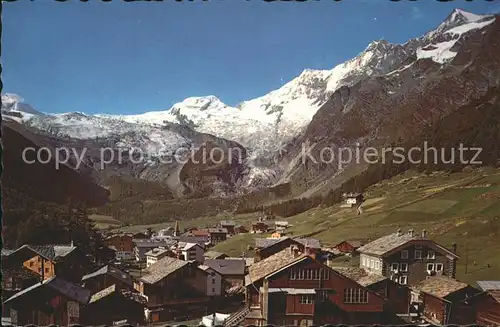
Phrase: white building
x=191 y=251
x=214 y=281
x=154 y=255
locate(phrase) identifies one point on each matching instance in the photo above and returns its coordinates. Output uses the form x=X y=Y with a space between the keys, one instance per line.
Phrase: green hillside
x=459 y=207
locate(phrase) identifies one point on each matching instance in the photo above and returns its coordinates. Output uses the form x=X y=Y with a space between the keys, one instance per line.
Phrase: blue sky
x=122 y=57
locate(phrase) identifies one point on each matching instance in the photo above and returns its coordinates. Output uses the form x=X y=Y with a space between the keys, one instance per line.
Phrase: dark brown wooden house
x=229 y=225
x=107 y=276
x=408 y=258
x=15 y=279
x=398 y=296
x=65 y=261
x=486 y=308
x=259 y=227
x=217 y=235
x=349 y=246
x=240 y=229
x=291 y=288
x=444 y=300
x=112 y=305
x=172 y=283
x=53 y=301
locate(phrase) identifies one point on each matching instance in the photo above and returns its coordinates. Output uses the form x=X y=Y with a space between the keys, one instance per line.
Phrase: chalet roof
x=309 y=242
x=487 y=285
x=162 y=269
x=359 y=275
x=145 y=243
x=19 y=272
x=440 y=286
x=270 y=265
x=217 y=230
x=135 y=296
x=390 y=242
x=262 y=243
x=248 y=261
x=227 y=223
x=226 y=267
x=52 y=252
x=495 y=294
x=193 y=239
x=6 y=252
x=199 y=232
x=112 y=271
x=61 y=286
x=156 y=252
x=354 y=243
x=186 y=245
x=213 y=254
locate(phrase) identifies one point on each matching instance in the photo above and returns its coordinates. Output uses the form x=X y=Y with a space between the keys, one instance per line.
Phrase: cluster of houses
x=401 y=278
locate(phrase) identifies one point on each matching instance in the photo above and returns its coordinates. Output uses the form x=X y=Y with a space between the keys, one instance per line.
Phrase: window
x=46 y=270
x=430 y=266
x=213 y=290
x=213 y=281
x=31 y=263
x=403 y=267
x=431 y=255
x=394 y=266
x=355 y=295
x=321 y=296
x=418 y=254
x=377 y=264
x=404 y=254
x=403 y=280
x=306 y=299
x=418 y=246
x=372 y=263
x=439 y=267
x=363 y=261
x=309 y=274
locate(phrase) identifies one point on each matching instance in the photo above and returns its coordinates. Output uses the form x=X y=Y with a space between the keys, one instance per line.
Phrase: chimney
x=411 y=232
x=294 y=251
x=454 y=247
x=424 y=233
x=400 y=232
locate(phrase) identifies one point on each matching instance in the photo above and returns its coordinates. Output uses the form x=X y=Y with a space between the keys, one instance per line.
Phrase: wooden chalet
x=486 y=308
x=292 y=288
x=349 y=246
x=171 y=286
x=408 y=258
x=240 y=229
x=105 y=277
x=229 y=225
x=53 y=301
x=398 y=296
x=444 y=300
x=65 y=261
x=15 y=279
x=217 y=235
x=259 y=227
x=114 y=304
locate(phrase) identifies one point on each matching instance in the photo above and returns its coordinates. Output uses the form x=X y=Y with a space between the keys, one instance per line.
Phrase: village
x=171 y=277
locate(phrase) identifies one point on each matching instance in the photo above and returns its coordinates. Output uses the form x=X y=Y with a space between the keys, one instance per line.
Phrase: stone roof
x=52 y=252
x=495 y=294
x=227 y=223
x=156 y=252
x=102 y=294
x=145 y=243
x=162 y=269
x=309 y=242
x=487 y=285
x=112 y=271
x=213 y=254
x=132 y=295
x=61 y=286
x=440 y=286
x=359 y=275
x=226 y=267
x=270 y=265
x=390 y=242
